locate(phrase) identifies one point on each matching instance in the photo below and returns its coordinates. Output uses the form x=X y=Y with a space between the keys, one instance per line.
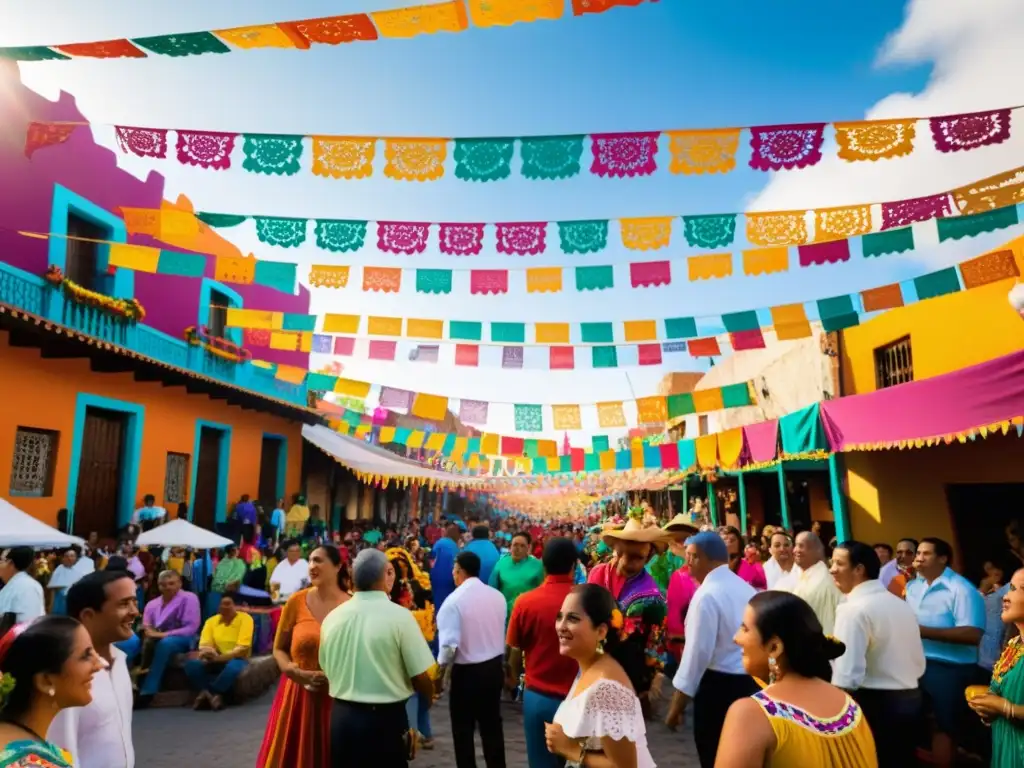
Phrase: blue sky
x=658 y=66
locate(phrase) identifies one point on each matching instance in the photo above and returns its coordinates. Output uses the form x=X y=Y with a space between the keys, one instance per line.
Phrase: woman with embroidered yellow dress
x=1001 y=706
x=798 y=719
x=411 y=589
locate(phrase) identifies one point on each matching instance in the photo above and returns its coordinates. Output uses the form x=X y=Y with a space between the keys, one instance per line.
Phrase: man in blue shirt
x=951 y=615
x=484 y=548
x=443 y=554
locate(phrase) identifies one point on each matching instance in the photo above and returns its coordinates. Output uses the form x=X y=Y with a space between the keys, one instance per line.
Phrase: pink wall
x=89 y=170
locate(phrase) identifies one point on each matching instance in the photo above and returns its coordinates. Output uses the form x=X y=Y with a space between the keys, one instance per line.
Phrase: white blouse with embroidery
x=606 y=708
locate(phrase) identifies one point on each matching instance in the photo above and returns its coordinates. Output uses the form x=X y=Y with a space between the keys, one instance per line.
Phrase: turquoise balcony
x=33 y=295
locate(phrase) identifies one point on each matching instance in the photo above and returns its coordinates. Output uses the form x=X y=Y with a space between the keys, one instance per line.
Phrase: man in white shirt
x=100 y=735
x=291 y=574
x=471 y=636
x=815 y=584
x=884 y=655
x=22 y=595
x=711 y=669
x=780 y=567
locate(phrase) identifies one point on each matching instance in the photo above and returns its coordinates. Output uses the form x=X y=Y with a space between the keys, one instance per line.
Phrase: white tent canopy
x=20 y=529
x=357 y=455
x=181 y=533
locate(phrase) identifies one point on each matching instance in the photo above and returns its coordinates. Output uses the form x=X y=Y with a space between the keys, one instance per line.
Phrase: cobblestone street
x=172 y=738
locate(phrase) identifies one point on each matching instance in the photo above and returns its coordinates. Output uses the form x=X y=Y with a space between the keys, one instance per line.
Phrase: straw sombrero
x=684 y=523
x=635 y=531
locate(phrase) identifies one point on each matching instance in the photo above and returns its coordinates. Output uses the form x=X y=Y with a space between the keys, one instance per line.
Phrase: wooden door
x=270 y=455
x=204 y=509
x=81 y=255
x=99 y=473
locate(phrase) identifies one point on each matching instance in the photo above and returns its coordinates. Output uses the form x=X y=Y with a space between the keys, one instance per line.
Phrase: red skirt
x=299 y=729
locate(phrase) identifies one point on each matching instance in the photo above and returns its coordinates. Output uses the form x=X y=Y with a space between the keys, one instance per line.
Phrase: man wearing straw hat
x=626 y=577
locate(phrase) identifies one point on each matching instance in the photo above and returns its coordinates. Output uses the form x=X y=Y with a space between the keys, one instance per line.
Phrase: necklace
x=1008 y=659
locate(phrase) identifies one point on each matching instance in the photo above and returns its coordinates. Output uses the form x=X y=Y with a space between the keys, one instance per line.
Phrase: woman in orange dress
x=299 y=728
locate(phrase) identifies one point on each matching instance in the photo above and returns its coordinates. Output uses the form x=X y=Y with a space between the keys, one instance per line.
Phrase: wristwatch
x=578 y=763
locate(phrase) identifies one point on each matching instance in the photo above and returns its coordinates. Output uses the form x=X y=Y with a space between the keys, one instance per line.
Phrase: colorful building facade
x=98 y=410
x=964 y=492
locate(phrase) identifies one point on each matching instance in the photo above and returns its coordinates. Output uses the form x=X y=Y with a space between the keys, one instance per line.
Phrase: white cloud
x=976 y=57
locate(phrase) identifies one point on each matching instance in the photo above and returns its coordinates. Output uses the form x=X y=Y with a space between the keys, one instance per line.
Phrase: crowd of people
x=787 y=651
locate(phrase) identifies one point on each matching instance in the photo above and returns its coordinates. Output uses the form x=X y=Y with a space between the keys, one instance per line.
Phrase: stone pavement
x=172 y=738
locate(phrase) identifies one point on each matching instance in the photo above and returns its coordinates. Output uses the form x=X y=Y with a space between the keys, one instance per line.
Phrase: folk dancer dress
x=803 y=740
x=299 y=728
x=644 y=607
x=1008 y=682
x=34 y=754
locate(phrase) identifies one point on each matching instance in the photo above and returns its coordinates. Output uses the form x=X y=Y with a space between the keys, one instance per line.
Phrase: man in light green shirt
x=375 y=658
x=517 y=572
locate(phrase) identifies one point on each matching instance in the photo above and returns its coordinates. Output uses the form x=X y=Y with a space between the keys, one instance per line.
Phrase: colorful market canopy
x=374 y=464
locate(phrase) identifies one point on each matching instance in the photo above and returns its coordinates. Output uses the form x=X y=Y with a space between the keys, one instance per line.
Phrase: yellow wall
x=895 y=494
x=42 y=393
x=946 y=334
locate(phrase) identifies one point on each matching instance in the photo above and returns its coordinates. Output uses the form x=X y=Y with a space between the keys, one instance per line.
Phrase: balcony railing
x=32 y=294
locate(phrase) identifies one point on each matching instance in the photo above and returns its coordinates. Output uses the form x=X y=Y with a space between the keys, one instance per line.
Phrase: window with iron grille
x=35 y=453
x=894 y=364
x=176 y=477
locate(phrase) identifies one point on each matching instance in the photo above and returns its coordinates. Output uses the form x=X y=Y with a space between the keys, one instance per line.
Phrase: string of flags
x=610 y=155
x=400 y=23
x=883 y=224
x=529 y=417
x=565 y=342
x=646 y=274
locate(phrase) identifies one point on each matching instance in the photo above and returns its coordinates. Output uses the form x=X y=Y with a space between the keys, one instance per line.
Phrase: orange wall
x=946 y=334
x=903 y=493
x=41 y=393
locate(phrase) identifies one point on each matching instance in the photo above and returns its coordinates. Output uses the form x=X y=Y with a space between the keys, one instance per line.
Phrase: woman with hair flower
x=48 y=665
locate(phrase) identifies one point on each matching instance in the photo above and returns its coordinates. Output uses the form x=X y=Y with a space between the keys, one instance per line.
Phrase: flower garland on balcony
x=129 y=310
x=222 y=348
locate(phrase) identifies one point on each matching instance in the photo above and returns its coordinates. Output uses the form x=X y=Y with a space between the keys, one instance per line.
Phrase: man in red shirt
x=531 y=634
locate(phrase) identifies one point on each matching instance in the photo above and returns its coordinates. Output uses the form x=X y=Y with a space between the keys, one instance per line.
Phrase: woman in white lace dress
x=600 y=724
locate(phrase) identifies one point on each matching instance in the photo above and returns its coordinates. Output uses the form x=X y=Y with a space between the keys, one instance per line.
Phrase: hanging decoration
x=126 y=310
x=400 y=23
x=707 y=231
x=218 y=347
x=612 y=155
x=652 y=339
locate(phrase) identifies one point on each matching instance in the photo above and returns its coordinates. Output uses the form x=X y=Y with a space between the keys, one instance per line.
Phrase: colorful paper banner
x=611 y=155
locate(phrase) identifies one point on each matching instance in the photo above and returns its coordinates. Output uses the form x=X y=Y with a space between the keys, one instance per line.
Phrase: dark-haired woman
x=47 y=666
x=750 y=570
x=799 y=719
x=600 y=724
x=299 y=728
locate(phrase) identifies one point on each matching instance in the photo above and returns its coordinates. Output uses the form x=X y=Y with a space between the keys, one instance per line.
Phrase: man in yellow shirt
x=224 y=649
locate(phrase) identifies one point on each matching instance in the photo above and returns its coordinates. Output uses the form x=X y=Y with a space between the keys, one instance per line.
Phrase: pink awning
x=762 y=440
x=979 y=396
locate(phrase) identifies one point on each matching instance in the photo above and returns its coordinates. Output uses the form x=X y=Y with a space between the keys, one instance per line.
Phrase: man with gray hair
x=711 y=669
x=375 y=658
x=815 y=584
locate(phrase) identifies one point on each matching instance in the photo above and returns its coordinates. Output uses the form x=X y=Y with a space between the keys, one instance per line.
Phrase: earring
x=50 y=692
x=600 y=647
x=773 y=670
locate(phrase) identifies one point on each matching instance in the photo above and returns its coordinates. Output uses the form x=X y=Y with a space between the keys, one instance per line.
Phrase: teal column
x=712 y=504
x=686 y=495
x=743 y=503
x=839 y=508
x=783 y=499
